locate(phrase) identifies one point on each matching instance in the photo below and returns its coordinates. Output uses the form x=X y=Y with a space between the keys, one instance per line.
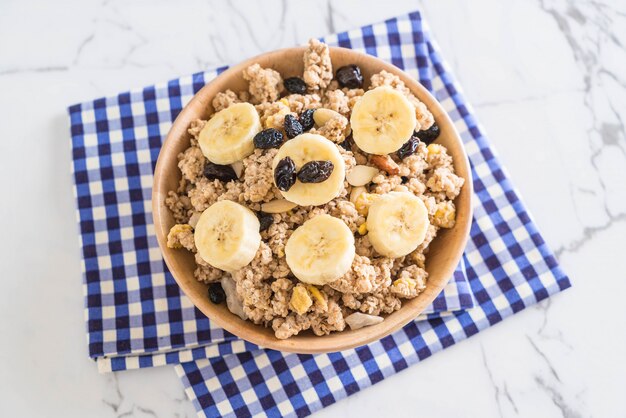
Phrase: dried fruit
x=172 y=237
x=300 y=301
x=434 y=149
x=265 y=220
x=220 y=172
x=347 y=143
x=268 y=138
x=285 y=174
x=315 y=171
x=216 y=293
x=295 y=85
x=318 y=296
x=408 y=148
x=363 y=202
x=385 y=163
x=429 y=135
x=292 y=126
x=306 y=119
x=350 y=77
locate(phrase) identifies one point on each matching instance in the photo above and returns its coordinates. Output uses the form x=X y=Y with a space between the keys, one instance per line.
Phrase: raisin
x=219 y=172
x=293 y=128
x=350 y=77
x=216 y=293
x=408 y=148
x=295 y=85
x=306 y=119
x=268 y=138
x=429 y=135
x=347 y=143
x=265 y=220
x=285 y=174
x=315 y=171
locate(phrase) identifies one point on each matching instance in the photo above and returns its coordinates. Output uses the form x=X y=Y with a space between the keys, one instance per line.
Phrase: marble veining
x=547 y=79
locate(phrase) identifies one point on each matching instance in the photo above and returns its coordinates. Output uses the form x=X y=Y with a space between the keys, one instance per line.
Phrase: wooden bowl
x=444 y=254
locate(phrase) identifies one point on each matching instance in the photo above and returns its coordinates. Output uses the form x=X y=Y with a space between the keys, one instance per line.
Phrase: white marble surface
x=548 y=81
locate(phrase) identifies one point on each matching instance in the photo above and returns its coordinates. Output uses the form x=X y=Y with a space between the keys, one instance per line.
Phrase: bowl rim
x=362 y=336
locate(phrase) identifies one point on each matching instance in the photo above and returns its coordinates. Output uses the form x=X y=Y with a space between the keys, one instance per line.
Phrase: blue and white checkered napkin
x=136 y=313
x=507 y=262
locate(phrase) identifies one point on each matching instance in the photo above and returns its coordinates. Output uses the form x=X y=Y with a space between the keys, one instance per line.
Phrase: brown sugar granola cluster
x=266 y=287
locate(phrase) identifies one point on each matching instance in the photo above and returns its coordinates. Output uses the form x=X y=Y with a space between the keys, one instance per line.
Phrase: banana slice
x=382 y=121
x=227 y=235
x=397 y=223
x=310 y=147
x=321 y=250
x=228 y=136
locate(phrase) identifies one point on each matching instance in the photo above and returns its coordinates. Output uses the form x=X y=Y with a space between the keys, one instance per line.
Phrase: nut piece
x=364 y=201
x=237 y=168
x=359 y=320
x=193 y=220
x=385 y=163
x=300 y=300
x=356 y=192
x=235 y=305
x=331 y=124
x=360 y=175
x=278 y=206
x=323 y=115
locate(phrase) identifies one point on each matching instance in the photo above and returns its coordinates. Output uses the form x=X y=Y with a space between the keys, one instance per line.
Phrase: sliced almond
x=234 y=304
x=323 y=115
x=193 y=220
x=360 y=175
x=277 y=206
x=237 y=168
x=359 y=320
x=385 y=163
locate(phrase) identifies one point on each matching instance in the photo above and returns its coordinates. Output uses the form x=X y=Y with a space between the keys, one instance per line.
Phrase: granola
x=265 y=290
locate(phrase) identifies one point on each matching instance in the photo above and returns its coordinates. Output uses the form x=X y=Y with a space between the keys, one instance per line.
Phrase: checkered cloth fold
x=136 y=314
x=508 y=265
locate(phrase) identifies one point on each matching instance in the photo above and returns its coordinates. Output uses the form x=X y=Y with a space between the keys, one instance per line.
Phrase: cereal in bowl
x=310 y=200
